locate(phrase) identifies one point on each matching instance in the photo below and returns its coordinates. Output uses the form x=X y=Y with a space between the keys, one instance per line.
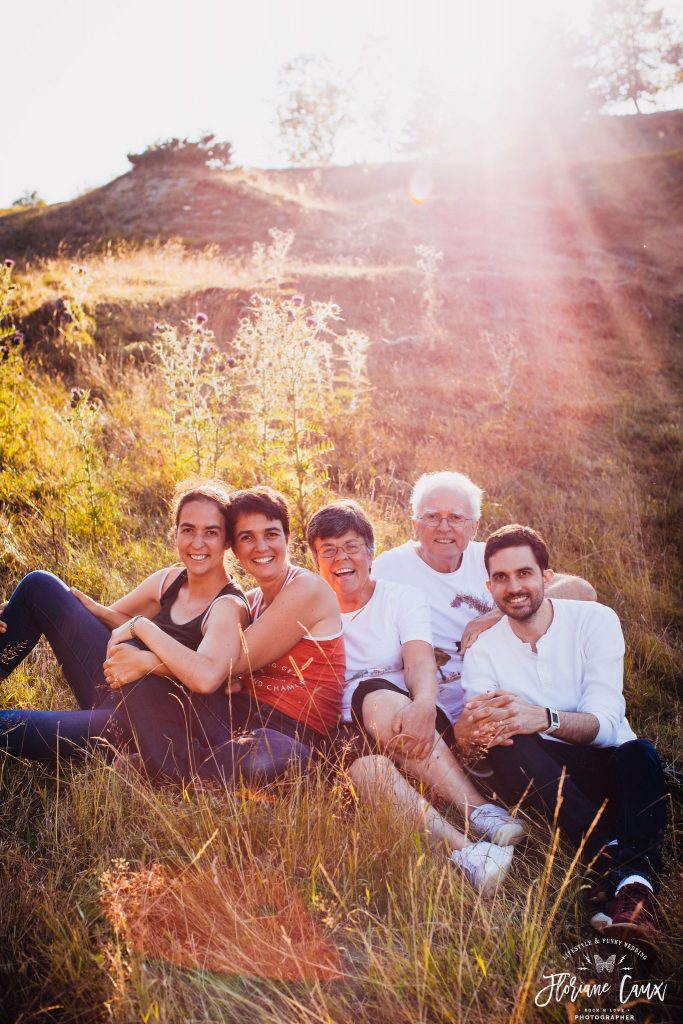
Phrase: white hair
x=454 y=481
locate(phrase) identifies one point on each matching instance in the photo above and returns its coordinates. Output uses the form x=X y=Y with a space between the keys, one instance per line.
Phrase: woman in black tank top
x=182 y=623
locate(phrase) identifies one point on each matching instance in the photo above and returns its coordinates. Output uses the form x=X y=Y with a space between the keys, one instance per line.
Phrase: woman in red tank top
x=293 y=661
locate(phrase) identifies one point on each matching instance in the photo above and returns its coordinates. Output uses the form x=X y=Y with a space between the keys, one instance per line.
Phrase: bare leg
x=377 y=779
x=440 y=772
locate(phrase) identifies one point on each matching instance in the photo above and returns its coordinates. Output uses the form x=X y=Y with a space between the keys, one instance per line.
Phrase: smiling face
x=517 y=582
x=261 y=546
x=344 y=562
x=201 y=536
x=442 y=546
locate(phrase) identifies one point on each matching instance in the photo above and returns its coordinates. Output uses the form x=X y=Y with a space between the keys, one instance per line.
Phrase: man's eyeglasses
x=454 y=520
x=330 y=551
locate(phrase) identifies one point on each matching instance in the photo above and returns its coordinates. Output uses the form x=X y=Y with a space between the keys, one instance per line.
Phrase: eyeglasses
x=454 y=520
x=351 y=548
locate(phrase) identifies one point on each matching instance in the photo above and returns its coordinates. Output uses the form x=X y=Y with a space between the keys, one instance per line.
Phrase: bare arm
x=142 y=600
x=203 y=670
x=562 y=585
x=415 y=722
x=307 y=606
x=477 y=626
x=571 y=588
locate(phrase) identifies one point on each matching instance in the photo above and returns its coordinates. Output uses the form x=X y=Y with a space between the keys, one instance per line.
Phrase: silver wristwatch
x=553 y=720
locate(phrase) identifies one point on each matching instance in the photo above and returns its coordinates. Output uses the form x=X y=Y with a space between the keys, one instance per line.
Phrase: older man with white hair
x=447 y=564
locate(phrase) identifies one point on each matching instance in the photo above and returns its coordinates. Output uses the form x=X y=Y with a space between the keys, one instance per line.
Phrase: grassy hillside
x=533 y=342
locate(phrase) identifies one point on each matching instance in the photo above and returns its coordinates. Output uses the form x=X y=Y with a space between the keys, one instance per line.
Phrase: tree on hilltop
x=313 y=107
x=636 y=52
x=207 y=151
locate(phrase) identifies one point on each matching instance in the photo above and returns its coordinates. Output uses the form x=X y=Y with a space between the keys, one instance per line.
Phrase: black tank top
x=190 y=633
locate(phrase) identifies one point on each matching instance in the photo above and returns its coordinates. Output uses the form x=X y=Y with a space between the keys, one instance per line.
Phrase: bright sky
x=87 y=81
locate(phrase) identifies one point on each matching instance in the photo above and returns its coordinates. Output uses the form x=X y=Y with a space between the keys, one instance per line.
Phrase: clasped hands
x=124 y=663
x=492 y=719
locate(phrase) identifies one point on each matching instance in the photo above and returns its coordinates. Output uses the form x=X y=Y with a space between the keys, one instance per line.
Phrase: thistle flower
x=311 y=321
x=297 y=300
x=9 y=264
x=201 y=318
x=17 y=338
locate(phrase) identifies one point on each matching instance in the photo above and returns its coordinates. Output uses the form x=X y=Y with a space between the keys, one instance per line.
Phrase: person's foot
x=497 y=826
x=633 y=914
x=485 y=865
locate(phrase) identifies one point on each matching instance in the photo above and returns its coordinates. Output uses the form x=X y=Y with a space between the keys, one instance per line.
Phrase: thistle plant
x=508 y=357
x=428 y=259
x=75 y=326
x=197 y=382
x=286 y=357
x=268 y=261
x=11 y=364
x=9 y=294
x=295 y=374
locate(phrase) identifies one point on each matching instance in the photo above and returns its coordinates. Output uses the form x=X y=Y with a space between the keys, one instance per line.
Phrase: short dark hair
x=338 y=518
x=516 y=536
x=201 y=490
x=263 y=500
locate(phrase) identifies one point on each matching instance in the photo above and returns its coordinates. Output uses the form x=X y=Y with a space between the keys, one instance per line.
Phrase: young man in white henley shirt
x=558 y=667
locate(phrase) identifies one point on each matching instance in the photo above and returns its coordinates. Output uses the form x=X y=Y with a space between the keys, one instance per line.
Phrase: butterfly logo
x=605 y=965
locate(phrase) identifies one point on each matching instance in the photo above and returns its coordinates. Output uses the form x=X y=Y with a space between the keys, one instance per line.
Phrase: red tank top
x=307 y=682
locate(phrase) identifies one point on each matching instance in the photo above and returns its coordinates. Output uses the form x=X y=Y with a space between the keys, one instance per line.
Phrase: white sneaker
x=485 y=865
x=495 y=824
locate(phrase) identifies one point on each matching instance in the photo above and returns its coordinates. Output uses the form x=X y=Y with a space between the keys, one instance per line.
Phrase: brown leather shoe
x=634 y=915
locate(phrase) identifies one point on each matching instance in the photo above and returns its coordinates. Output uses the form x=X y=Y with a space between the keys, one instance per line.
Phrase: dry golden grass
x=586 y=446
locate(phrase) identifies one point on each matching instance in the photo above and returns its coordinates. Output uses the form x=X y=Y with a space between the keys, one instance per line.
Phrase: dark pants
x=182 y=735
x=628 y=777
x=42 y=605
x=178 y=733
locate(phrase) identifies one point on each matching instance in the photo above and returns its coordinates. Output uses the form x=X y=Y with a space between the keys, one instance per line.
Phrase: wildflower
x=158 y=327
x=232 y=363
x=311 y=321
x=17 y=338
x=297 y=300
x=201 y=318
x=76 y=396
x=4 y=353
x=255 y=299
x=9 y=264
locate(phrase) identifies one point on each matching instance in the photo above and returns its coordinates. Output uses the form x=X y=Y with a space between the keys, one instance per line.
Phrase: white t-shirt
x=455 y=598
x=578 y=666
x=373 y=636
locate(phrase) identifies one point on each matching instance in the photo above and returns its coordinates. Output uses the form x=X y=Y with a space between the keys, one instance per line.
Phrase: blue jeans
x=629 y=778
x=179 y=734
x=42 y=605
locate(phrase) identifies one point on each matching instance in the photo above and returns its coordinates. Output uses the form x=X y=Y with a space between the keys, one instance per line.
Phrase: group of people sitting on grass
x=466 y=670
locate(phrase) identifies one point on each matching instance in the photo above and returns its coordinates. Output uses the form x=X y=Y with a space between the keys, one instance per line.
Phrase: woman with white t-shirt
x=387 y=635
